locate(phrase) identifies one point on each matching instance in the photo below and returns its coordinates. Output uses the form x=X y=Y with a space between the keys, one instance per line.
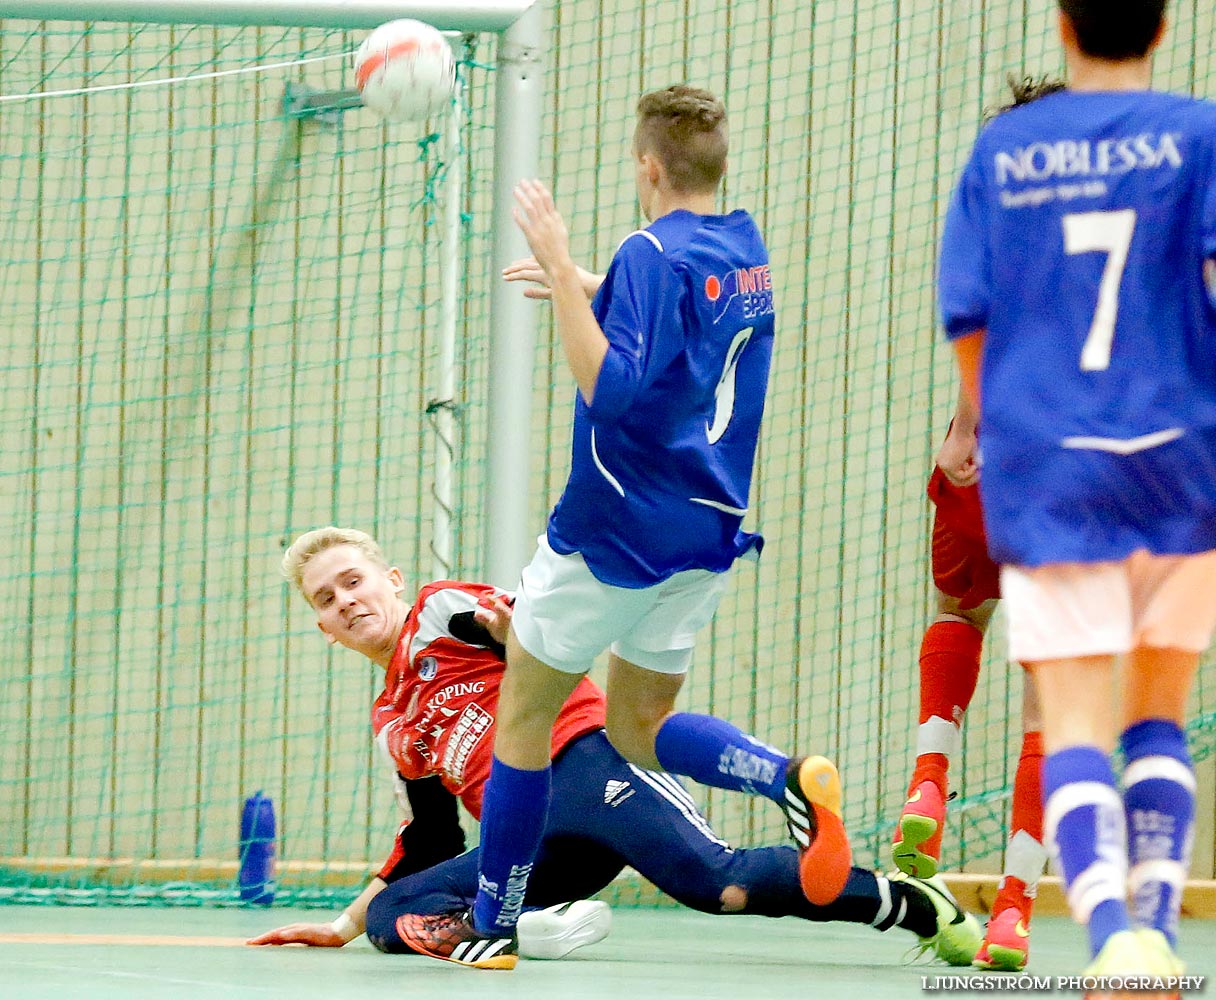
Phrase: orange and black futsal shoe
x=452 y=938
x=813 y=814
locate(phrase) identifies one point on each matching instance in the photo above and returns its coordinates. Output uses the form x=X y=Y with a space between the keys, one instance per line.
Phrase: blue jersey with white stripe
x=1078 y=237
x=662 y=458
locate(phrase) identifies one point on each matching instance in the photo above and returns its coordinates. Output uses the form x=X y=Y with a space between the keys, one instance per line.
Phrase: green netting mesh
x=220 y=327
x=220 y=331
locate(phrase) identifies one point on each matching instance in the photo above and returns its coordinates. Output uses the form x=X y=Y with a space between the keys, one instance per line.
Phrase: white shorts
x=1065 y=610
x=565 y=617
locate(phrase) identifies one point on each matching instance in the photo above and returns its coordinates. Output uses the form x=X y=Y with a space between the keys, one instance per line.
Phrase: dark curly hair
x=1025 y=89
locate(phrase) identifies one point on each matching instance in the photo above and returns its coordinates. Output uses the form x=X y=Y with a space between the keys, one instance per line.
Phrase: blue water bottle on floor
x=256 y=874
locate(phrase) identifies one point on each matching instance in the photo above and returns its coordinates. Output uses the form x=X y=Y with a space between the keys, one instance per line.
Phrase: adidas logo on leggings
x=615 y=792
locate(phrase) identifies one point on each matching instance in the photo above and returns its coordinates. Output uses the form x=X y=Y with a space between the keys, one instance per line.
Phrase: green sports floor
x=670 y=954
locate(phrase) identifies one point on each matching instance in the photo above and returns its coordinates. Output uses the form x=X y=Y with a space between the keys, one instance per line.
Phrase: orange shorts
x=961 y=566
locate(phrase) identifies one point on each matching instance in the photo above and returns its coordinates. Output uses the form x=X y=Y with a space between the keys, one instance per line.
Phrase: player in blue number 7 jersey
x=1073 y=285
x=671 y=357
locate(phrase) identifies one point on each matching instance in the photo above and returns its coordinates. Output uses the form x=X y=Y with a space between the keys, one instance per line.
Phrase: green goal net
x=222 y=301
x=221 y=298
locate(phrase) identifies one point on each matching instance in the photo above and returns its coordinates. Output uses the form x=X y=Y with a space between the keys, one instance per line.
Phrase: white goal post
x=518 y=90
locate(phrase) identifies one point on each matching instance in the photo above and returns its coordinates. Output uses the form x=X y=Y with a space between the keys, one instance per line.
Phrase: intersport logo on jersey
x=754 y=284
x=1042 y=161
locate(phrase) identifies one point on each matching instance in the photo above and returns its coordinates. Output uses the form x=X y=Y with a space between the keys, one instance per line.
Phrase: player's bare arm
x=528 y=269
x=969 y=350
x=956 y=458
x=583 y=341
x=346 y=928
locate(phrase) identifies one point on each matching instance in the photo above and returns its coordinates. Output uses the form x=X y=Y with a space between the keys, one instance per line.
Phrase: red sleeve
x=394 y=859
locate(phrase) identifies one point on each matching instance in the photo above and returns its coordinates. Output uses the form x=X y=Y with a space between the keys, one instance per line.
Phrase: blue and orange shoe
x=1006 y=944
x=918 y=837
x=451 y=937
x=813 y=803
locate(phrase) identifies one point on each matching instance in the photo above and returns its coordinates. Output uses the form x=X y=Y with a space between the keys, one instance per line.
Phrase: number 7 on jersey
x=1111 y=232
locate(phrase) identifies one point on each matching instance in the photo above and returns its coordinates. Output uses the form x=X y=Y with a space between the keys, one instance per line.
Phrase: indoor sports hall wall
x=220 y=332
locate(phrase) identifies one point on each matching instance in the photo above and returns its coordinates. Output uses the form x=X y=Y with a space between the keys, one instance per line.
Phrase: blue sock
x=1159 y=797
x=513 y=814
x=713 y=752
x=1084 y=825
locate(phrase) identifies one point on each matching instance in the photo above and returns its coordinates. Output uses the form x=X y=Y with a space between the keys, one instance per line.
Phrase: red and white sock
x=1025 y=855
x=949 y=670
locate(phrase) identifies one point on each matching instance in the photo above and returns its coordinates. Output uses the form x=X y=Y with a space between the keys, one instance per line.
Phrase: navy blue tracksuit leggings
x=605 y=813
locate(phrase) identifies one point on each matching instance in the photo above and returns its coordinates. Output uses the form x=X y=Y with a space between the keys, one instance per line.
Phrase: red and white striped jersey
x=436 y=713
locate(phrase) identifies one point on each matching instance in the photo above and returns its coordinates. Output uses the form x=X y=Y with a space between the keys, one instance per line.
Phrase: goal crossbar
x=473 y=15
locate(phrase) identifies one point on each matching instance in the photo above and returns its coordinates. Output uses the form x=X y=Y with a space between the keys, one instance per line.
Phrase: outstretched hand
x=313 y=935
x=543 y=227
x=529 y=269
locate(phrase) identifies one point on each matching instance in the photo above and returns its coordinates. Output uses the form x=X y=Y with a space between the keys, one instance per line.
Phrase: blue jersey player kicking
x=1073 y=285
x=671 y=359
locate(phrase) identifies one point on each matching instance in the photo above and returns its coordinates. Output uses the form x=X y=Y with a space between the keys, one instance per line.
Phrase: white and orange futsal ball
x=405 y=71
